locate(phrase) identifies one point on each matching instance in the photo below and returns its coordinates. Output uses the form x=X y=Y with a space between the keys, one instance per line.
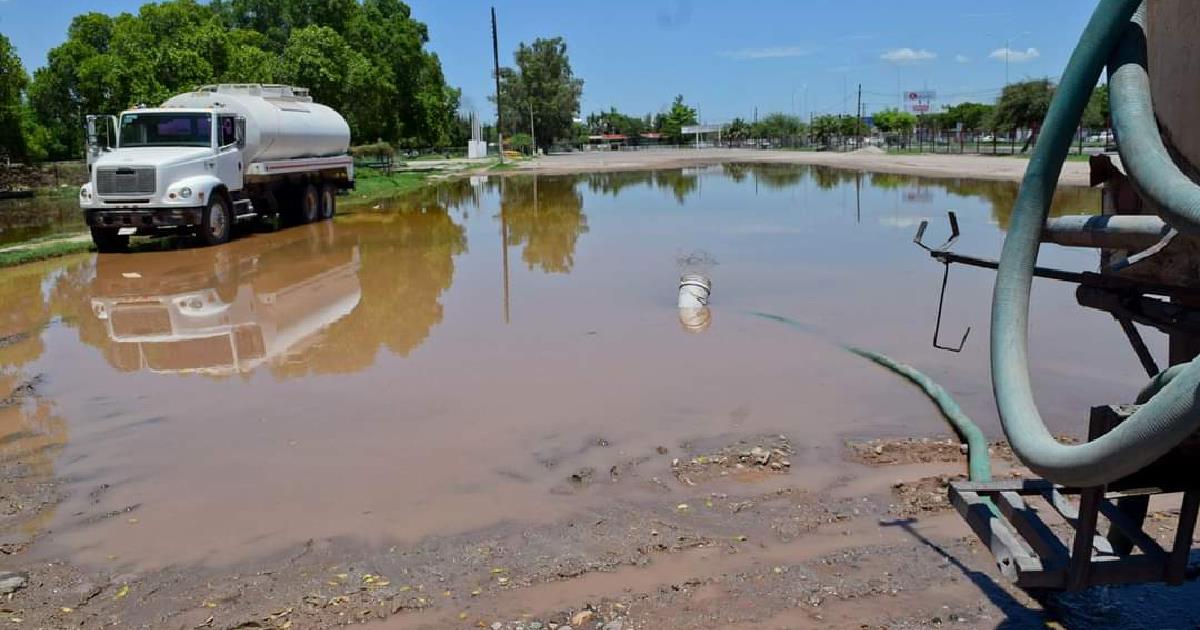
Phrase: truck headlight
x=185 y=192
x=85 y=194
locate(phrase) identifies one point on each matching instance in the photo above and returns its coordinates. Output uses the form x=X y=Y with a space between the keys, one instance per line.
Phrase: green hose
x=979 y=466
x=1158 y=179
x=1170 y=415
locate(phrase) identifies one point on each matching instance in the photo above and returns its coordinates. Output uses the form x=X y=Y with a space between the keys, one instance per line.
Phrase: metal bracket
x=937 y=325
x=938 y=253
x=954 y=233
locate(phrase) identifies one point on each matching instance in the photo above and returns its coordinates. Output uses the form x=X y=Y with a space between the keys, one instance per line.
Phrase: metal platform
x=1033 y=556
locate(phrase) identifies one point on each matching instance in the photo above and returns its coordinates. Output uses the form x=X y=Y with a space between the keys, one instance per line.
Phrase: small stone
x=581 y=617
x=760 y=455
x=497 y=625
x=12 y=582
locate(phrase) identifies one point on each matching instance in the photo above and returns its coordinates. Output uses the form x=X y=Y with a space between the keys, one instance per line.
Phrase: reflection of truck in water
x=222 y=311
x=209 y=158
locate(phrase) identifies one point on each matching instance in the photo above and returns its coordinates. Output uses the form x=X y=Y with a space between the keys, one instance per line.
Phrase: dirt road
x=973 y=166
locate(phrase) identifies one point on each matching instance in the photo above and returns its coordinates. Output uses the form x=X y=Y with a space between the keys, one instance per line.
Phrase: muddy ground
x=728 y=536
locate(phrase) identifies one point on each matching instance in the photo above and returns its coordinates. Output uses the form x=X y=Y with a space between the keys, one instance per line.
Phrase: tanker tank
x=282 y=122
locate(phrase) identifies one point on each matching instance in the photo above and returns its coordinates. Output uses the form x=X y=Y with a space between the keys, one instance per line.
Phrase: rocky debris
x=11 y=582
x=900 y=451
x=765 y=453
x=924 y=496
x=582 y=477
x=605 y=615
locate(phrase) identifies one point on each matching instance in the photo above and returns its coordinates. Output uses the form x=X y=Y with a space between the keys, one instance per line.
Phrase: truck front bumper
x=144 y=219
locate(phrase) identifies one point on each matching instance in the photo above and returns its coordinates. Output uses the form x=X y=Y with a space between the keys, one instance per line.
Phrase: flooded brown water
x=36 y=217
x=448 y=361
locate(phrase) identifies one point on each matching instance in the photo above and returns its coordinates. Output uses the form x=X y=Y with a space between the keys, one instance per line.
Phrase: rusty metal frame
x=1034 y=557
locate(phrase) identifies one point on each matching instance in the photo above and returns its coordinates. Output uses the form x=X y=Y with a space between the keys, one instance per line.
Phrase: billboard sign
x=919 y=100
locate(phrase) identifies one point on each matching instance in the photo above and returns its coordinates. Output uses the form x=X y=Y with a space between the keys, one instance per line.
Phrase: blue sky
x=725 y=57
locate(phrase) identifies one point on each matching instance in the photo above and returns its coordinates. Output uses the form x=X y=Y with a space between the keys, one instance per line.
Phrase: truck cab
x=210 y=158
x=168 y=170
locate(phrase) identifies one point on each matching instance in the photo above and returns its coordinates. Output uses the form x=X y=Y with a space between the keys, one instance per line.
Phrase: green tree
x=366 y=58
x=778 y=126
x=613 y=121
x=678 y=116
x=1096 y=115
x=893 y=120
x=973 y=116
x=1023 y=106
x=738 y=130
x=13 y=82
x=542 y=85
x=824 y=129
x=850 y=127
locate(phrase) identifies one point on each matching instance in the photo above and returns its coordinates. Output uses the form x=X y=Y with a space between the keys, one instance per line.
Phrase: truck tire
x=108 y=241
x=310 y=204
x=217 y=223
x=328 y=201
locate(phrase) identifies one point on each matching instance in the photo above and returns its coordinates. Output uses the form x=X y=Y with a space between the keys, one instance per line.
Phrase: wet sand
x=926 y=165
x=479 y=405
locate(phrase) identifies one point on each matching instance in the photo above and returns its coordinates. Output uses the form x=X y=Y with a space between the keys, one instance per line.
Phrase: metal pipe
x=1112 y=231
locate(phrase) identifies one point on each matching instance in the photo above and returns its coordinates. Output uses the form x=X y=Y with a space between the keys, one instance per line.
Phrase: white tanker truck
x=207 y=159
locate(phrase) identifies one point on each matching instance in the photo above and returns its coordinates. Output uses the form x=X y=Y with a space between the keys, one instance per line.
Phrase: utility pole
x=532 y=136
x=499 y=109
x=858 y=130
x=1007 y=50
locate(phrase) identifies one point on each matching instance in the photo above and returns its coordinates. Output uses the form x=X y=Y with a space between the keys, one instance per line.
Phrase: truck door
x=229 y=153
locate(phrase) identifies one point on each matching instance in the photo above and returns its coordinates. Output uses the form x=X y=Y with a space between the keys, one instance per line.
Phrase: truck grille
x=125 y=180
x=140 y=320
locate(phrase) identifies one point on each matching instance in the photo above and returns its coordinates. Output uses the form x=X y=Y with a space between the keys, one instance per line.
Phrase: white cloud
x=961 y=58
x=901 y=55
x=774 y=52
x=1016 y=56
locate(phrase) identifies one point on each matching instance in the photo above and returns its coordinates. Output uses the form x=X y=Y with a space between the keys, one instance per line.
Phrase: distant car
x=988 y=138
x=1105 y=137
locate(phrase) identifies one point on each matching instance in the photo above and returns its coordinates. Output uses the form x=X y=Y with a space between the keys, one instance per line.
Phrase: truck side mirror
x=241 y=132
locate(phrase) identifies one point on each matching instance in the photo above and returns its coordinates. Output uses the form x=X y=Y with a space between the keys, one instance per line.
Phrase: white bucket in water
x=693 y=290
x=695 y=320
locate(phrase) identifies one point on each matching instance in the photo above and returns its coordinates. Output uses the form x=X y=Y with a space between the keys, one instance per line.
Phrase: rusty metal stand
x=1030 y=553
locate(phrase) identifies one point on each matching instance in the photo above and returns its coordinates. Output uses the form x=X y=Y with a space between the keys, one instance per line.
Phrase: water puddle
x=449 y=361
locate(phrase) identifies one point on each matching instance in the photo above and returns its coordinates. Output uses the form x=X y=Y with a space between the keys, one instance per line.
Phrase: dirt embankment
x=50 y=175
x=929 y=165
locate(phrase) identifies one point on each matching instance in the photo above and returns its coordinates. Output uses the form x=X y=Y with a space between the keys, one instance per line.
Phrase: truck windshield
x=166 y=130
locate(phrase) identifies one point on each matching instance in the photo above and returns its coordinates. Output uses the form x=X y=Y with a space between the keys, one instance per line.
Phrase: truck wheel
x=108 y=241
x=310 y=204
x=328 y=201
x=217 y=222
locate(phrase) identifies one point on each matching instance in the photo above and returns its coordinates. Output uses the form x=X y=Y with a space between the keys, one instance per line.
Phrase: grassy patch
x=58 y=192
x=503 y=166
x=375 y=184
x=35 y=251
